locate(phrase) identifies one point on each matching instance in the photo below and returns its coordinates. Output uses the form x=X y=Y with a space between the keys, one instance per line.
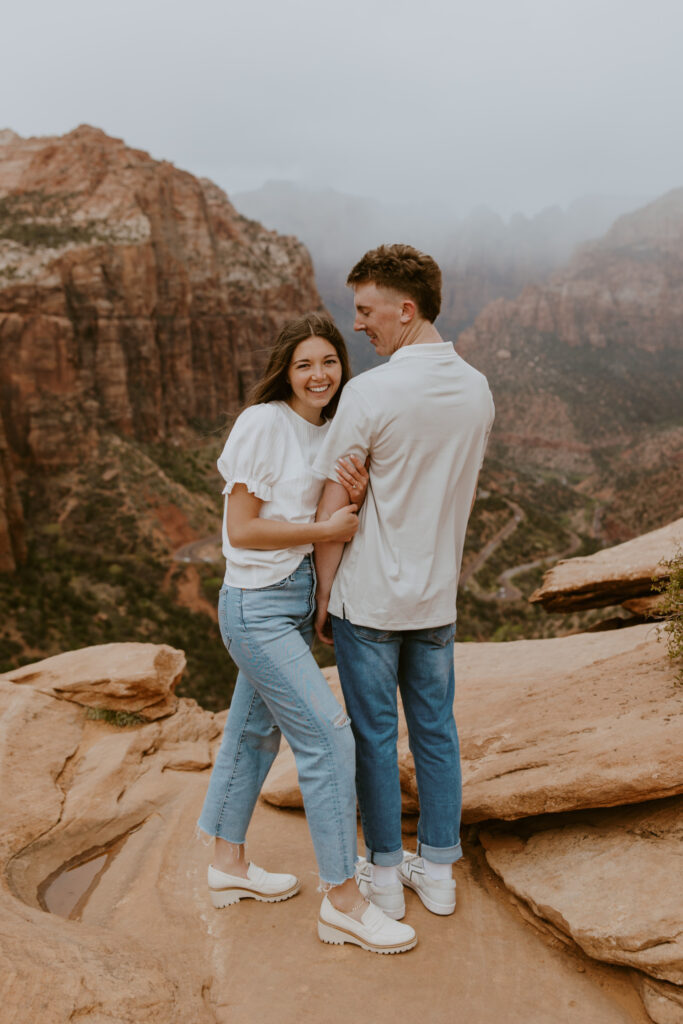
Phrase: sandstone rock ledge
x=612 y=576
x=611 y=880
x=592 y=720
x=69 y=788
x=147 y=948
x=132 y=677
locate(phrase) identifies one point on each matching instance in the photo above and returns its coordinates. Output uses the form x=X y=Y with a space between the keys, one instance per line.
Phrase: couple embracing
x=369 y=559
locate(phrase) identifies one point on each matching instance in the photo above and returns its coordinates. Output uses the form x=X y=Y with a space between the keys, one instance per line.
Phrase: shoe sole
x=336 y=936
x=436 y=908
x=226 y=897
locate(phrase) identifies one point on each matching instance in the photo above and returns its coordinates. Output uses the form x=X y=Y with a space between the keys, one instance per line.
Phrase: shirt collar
x=432 y=348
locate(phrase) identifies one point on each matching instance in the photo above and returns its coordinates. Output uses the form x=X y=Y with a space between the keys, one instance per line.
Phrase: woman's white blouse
x=271 y=450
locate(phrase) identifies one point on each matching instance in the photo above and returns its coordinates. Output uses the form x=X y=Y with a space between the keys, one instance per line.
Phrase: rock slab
x=611 y=881
x=132 y=677
x=591 y=720
x=146 y=947
x=610 y=576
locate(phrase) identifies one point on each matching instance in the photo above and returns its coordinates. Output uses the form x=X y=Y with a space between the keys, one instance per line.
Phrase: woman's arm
x=247 y=530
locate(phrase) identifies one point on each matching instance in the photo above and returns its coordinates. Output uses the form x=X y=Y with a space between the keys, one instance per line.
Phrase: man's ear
x=408 y=311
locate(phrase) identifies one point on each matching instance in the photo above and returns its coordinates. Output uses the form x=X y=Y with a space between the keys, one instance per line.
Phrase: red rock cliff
x=133 y=298
x=132 y=295
x=594 y=356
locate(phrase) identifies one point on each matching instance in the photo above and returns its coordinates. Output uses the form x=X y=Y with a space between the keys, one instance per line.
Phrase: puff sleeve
x=254 y=452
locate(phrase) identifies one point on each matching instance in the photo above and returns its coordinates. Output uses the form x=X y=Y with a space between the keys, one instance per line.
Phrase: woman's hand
x=342 y=524
x=353 y=476
x=323 y=624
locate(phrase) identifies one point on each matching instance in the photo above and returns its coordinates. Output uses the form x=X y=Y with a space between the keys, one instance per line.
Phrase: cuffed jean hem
x=439 y=854
x=384 y=860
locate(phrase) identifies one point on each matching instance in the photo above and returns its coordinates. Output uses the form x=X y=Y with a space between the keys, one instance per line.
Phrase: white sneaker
x=258 y=885
x=388 y=898
x=437 y=895
x=375 y=931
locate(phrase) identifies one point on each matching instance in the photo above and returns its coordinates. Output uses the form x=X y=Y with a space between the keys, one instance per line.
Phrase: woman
x=266 y=610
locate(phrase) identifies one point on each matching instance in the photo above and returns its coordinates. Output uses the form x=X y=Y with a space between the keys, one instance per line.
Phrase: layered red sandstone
x=133 y=298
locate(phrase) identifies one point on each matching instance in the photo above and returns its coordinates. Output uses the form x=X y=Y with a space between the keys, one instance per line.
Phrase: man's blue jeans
x=373 y=664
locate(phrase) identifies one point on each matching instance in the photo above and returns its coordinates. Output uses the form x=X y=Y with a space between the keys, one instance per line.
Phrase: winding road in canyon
x=506 y=590
x=208 y=550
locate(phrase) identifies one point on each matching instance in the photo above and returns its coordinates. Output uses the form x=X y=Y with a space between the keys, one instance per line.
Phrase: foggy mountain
x=482 y=255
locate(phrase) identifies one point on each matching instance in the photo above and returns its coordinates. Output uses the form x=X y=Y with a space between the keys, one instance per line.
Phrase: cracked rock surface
x=591 y=720
x=146 y=946
x=611 y=880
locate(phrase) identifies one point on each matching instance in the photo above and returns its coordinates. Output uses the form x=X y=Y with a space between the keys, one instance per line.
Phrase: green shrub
x=122 y=719
x=672 y=630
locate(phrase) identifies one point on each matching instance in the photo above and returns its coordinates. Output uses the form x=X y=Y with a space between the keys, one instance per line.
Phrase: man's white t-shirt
x=271 y=450
x=424 y=418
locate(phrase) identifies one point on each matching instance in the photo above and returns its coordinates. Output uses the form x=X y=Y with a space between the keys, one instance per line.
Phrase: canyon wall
x=133 y=298
x=592 y=359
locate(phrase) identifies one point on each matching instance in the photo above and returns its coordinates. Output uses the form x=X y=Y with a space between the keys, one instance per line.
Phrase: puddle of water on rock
x=67 y=892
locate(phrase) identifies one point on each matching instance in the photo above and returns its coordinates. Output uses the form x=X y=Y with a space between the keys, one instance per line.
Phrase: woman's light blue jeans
x=280 y=688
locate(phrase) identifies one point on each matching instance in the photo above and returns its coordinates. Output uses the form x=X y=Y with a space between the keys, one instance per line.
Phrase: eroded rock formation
x=551 y=725
x=621 y=574
x=607 y=881
x=138 y=679
x=593 y=357
x=12 y=546
x=142 y=943
x=133 y=298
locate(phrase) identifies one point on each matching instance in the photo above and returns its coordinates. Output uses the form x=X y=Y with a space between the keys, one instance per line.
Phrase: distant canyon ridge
x=483 y=256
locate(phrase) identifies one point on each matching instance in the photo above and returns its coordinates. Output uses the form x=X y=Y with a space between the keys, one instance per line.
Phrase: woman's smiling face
x=314 y=376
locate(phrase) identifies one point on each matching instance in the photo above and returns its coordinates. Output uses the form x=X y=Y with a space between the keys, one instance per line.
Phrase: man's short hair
x=406 y=270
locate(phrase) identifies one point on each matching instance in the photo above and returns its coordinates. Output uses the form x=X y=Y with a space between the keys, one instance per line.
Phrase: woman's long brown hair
x=273 y=385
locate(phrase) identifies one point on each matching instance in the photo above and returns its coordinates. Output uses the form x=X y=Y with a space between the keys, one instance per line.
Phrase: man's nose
x=357 y=325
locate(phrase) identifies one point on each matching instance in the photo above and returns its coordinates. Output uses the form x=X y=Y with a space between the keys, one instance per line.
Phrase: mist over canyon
x=483 y=256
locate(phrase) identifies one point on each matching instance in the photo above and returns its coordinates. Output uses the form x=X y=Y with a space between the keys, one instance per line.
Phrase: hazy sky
x=512 y=103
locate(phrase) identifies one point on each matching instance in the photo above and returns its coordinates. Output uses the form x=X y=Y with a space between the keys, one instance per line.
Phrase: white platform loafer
x=375 y=931
x=437 y=895
x=389 y=898
x=260 y=885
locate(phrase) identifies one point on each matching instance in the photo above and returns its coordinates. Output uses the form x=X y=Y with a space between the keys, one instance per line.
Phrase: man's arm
x=327 y=557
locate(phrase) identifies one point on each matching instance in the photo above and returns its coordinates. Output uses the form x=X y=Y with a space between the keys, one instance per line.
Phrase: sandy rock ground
x=611 y=880
x=591 y=720
x=146 y=945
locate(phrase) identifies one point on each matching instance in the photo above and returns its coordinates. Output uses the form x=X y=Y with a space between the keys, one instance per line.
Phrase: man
x=423 y=418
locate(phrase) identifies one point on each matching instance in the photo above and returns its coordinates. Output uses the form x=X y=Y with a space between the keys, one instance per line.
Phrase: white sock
x=439 y=872
x=382 y=876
